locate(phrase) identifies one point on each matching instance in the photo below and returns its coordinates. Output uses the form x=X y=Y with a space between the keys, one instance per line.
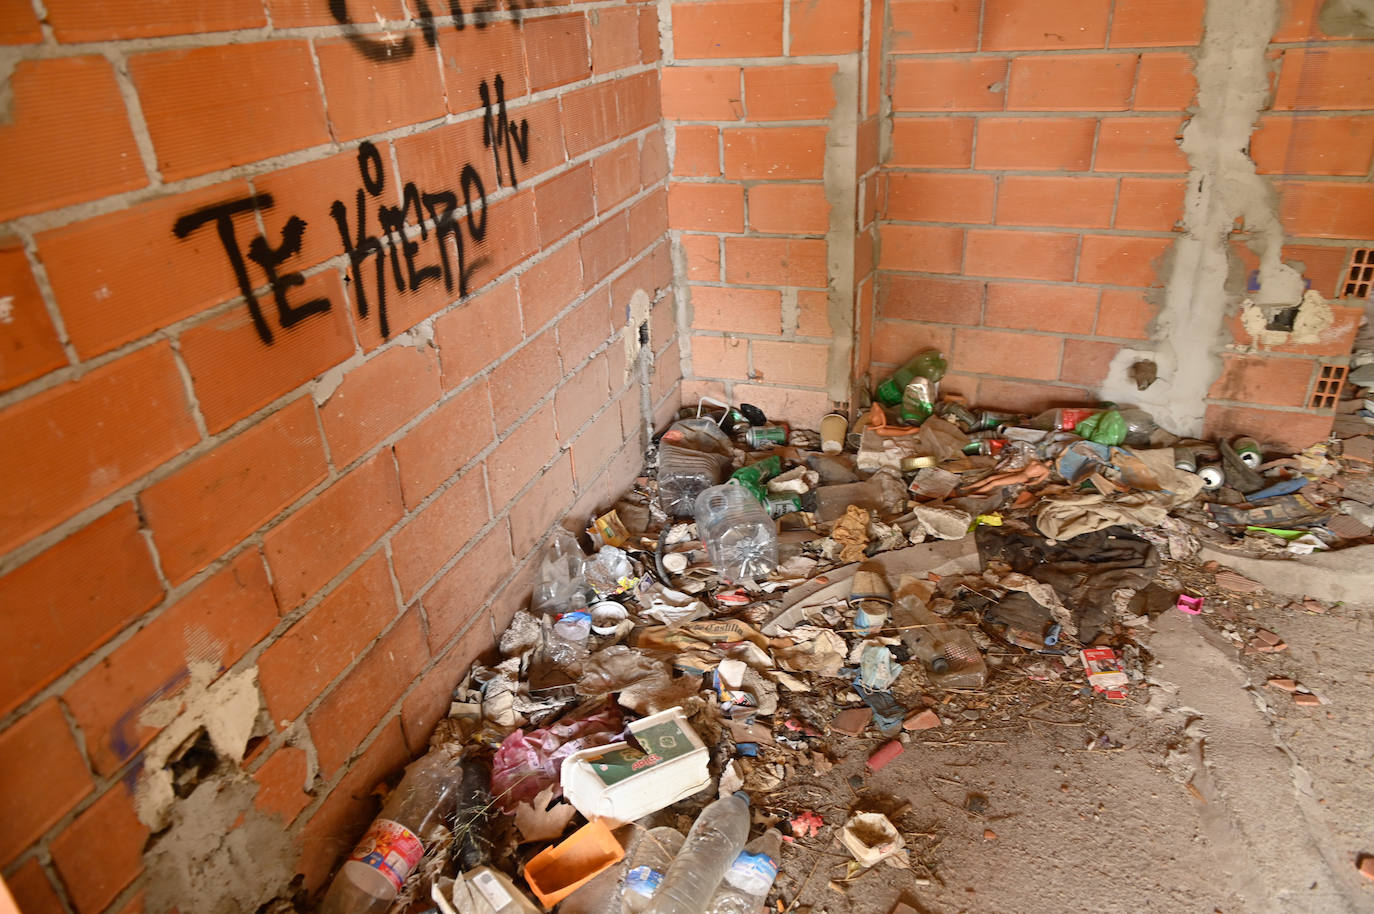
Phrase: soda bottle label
x=391 y=849
x=643 y=880
x=1070 y=417
x=750 y=871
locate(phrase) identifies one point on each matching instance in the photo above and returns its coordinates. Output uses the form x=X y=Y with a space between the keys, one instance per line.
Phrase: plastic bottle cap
x=743 y=796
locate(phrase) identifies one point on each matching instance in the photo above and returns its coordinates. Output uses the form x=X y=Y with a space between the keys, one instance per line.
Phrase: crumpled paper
x=814 y=649
x=943 y=522
x=851 y=532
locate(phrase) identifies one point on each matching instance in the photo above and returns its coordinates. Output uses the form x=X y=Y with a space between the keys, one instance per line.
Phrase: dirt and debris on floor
x=959 y=660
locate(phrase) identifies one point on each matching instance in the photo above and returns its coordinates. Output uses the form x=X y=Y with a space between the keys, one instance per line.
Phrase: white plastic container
x=617 y=783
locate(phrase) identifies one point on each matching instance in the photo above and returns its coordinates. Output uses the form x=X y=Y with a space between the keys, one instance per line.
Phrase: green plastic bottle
x=753 y=476
x=928 y=363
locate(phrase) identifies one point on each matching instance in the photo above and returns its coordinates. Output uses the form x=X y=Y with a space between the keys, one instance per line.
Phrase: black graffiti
x=438 y=207
x=262 y=253
x=381 y=50
x=452 y=216
x=499 y=134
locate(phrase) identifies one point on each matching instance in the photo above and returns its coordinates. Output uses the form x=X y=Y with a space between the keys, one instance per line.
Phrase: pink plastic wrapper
x=526 y=763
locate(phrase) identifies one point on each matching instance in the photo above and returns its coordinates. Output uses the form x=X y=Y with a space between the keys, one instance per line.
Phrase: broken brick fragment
x=852 y=722
x=885 y=754
x=923 y=720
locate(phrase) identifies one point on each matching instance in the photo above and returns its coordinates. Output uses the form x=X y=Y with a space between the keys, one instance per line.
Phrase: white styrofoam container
x=618 y=783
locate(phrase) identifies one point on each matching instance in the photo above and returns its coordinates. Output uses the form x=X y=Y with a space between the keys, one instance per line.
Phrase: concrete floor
x=1209 y=792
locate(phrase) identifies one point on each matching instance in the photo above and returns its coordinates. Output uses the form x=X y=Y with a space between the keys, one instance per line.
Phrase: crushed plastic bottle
x=951 y=659
x=1140 y=427
x=715 y=840
x=918 y=400
x=654 y=852
x=561 y=575
x=374 y=873
x=745 y=886
x=740 y=537
x=884 y=492
x=567 y=639
x=755 y=475
x=928 y=363
x=610 y=572
x=692 y=457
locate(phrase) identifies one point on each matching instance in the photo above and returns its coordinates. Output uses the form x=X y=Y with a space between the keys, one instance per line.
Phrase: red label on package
x=1074 y=415
x=391 y=849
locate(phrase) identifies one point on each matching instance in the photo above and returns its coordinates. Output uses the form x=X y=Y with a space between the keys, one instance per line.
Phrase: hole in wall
x=1282 y=319
x=644 y=333
x=193 y=762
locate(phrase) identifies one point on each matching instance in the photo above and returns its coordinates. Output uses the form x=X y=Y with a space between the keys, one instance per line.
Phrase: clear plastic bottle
x=949 y=655
x=652 y=855
x=1140 y=426
x=609 y=572
x=567 y=638
x=692 y=456
x=745 y=886
x=740 y=537
x=373 y=874
x=715 y=840
x=1063 y=419
x=928 y=363
x=560 y=574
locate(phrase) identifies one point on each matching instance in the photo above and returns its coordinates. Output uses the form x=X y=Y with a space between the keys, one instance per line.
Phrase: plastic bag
x=1106 y=427
x=526 y=763
x=560 y=583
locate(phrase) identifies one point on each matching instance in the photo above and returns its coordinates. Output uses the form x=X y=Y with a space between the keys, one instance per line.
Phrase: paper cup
x=833 y=429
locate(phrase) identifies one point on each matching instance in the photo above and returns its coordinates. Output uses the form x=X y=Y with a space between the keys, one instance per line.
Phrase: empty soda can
x=1248 y=450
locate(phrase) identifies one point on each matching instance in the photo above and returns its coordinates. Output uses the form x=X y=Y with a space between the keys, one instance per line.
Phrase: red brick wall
x=236 y=435
x=755 y=98
x=1034 y=183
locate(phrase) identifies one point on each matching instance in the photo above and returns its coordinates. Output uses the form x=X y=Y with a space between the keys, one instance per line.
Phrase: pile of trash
x=767 y=597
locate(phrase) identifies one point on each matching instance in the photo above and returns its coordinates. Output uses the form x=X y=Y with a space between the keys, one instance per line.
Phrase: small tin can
x=780 y=504
x=985 y=446
x=762 y=437
x=1248 y=450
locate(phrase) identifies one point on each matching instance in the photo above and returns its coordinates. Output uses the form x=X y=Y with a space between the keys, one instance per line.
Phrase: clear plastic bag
x=560 y=579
